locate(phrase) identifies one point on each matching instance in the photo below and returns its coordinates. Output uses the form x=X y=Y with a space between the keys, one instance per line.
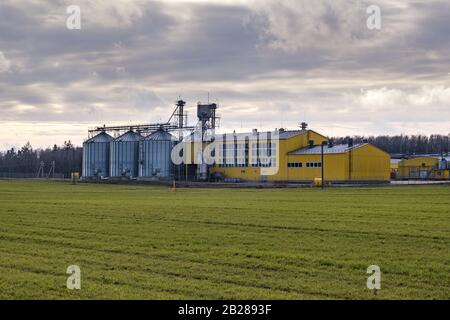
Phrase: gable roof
x=291 y=133
x=283 y=135
x=340 y=148
x=242 y=136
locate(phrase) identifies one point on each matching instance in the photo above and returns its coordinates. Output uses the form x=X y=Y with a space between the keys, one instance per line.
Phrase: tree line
x=404 y=144
x=67 y=159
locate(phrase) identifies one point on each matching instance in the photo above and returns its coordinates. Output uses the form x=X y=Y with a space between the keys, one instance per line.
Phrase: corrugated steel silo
x=96 y=156
x=125 y=155
x=155 y=155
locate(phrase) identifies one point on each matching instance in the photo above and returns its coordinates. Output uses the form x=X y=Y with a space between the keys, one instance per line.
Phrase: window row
x=307 y=165
x=269 y=163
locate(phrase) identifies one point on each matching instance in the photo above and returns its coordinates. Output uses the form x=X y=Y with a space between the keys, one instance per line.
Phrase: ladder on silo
x=141 y=158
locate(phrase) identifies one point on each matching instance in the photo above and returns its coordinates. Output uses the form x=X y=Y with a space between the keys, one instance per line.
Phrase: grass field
x=150 y=243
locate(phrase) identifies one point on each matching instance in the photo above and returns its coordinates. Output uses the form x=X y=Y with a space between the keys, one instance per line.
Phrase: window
x=314 y=164
x=264 y=154
x=234 y=155
x=241 y=155
x=295 y=165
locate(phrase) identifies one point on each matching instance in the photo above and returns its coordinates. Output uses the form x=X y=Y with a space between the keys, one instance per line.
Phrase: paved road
x=419 y=182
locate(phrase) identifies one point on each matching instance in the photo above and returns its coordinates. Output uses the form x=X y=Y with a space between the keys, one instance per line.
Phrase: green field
x=150 y=243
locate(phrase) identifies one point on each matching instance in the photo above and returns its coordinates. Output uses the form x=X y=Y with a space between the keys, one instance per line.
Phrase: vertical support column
x=323 y=164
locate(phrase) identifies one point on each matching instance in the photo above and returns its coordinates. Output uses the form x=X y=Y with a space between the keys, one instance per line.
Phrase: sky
x=267 y=63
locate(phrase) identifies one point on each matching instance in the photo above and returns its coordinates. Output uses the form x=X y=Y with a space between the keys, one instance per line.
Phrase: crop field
x=142 y=242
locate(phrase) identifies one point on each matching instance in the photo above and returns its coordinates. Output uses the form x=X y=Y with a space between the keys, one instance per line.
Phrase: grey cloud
x=265 y=62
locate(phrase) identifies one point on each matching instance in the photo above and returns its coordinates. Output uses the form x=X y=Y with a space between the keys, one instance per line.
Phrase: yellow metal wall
x=248 y=174
x=335 y=169
x=416 y=164
x=292 y=144
x=369 y=163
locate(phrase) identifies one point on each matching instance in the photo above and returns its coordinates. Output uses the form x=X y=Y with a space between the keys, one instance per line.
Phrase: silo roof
x=160 y=135
x=130 y=136
x=101 y=137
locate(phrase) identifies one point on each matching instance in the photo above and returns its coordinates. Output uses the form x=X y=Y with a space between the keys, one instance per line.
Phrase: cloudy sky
x=268 y=63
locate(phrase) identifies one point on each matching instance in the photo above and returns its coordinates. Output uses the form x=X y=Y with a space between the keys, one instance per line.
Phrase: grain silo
x=125 y=155
x=155 y=155
x=96 y=153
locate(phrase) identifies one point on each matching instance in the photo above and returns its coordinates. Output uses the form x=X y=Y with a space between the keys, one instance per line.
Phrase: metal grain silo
x=96 y=156
x=155 y=155
x=125 y=155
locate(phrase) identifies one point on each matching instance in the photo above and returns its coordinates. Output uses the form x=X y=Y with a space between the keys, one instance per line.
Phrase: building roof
x=340 y=148
x=130 y=136
x=242 y=136
x=102 y=137
x=439 y=157
x=283 y=134
x=291 y=133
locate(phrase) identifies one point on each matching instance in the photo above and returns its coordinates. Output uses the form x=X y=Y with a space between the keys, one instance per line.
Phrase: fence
x=18 y=175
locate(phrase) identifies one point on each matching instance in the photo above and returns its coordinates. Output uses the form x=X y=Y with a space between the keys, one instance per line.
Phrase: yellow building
x=441 y=174
x=394 y=168
x=417 y=168
x=394 y=164
x=361 y=162
x=297 y=157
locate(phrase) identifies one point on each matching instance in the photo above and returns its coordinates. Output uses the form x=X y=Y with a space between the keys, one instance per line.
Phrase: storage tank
x=96 y=153
x=155 y=155
x=125 y=155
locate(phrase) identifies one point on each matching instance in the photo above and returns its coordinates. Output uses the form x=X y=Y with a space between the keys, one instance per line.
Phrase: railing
x=18 y=175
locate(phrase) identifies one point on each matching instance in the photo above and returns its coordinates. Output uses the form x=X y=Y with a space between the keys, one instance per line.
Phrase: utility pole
x=51 y=172
x=73 y=160
x=41 y=170
x=323 y=164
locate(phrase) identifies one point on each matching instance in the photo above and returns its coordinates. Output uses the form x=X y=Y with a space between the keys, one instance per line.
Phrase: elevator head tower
x=206 y=114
